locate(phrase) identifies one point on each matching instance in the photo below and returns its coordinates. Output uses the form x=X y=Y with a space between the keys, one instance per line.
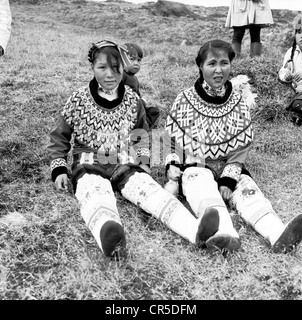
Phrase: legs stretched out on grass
x=141 y=189
x=257 y=211
x=213 y=224
x=99 y=210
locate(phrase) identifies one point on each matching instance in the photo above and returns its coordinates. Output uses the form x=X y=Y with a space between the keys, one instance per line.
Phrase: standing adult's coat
x=246 y=12
x=5 y=23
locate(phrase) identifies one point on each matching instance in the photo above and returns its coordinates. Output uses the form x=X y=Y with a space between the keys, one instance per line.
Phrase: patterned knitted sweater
x=102 y=129
x=211 y=131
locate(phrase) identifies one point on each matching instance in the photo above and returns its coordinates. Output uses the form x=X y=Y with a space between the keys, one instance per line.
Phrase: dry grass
x=46 y=251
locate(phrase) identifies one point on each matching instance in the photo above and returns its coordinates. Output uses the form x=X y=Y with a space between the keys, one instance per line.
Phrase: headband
x=107 y=43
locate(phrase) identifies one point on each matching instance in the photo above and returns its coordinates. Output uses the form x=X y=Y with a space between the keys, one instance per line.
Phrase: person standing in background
x=5 y=25
x=252 y=15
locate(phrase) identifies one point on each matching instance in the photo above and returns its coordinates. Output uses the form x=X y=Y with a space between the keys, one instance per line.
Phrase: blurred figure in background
x=291 y=71
x=252 y=15
x=5 y=25
x=136 y=55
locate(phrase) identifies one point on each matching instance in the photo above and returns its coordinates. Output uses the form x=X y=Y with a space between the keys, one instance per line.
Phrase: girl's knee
x=92 y=184
x=122 y=174
x=192 y=172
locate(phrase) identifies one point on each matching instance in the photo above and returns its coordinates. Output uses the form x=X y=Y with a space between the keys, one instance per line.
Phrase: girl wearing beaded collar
x=210 y=133
x=107 y=121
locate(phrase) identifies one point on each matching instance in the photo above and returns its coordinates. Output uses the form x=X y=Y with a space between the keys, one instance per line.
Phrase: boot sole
x=290 y=237
x=209 y=224
x=113 y=240
x=223 y=241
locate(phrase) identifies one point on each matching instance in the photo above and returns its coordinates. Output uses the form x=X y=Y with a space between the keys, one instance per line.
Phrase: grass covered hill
x=46 y=251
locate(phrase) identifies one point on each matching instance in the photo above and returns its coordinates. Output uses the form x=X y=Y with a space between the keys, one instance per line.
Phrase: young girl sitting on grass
x=291 y=71
x=210 y=129
x=136 y=55
x=107 y=120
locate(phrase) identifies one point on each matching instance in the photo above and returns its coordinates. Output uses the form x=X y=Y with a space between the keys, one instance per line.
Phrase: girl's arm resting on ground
x=139 y=138
x=297 y=76
x=232 y=170
x=173 y=153
x=58 y=147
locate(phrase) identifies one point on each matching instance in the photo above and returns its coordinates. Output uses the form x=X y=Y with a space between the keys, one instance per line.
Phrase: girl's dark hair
x=112 y=54
x=297 y=26
x=134 y=50
x=293 y=49
x=213 y=46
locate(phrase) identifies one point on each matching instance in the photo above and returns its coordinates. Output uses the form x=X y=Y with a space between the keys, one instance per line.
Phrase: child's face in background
x=135 y=64
x=299 y=38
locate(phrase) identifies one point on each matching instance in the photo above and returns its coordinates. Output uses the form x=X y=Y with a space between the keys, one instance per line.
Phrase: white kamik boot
x=256 y=210
x=202 y=193
x=99 y=211
x=142 y=190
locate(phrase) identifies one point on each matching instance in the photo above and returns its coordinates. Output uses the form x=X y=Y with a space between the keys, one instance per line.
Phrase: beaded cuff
x=232 y=171
x=60 y=162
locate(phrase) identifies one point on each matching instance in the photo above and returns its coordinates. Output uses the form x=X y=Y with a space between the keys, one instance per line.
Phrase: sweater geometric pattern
x=220 y=130
x=58 y=163
x=99 y=128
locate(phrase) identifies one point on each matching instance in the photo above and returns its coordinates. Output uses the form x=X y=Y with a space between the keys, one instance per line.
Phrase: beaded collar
x=108 y=92
x=219 y=92
x=103 y=100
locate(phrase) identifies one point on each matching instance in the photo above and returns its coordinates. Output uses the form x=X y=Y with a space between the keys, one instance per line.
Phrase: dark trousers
x=239 y=33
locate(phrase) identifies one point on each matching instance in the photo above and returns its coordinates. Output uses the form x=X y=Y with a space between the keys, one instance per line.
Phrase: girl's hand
x=297 y=76
x=173 y=173
x=226 y=193
x=61 y=182
x=146 y=168
x=288 y=76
